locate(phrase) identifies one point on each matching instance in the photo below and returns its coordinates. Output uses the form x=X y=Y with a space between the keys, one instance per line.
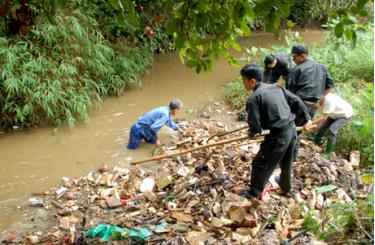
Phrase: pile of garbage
x=194 y=198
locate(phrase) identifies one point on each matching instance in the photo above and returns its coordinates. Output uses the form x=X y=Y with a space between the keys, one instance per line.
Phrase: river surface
x=36 y=159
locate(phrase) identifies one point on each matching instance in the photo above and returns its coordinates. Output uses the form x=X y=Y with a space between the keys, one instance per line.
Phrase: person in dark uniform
x=309 y=80
x=271 y=107
x=275 y=66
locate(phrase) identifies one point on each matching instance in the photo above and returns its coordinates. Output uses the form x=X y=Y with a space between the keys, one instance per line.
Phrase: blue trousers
x=137 y=134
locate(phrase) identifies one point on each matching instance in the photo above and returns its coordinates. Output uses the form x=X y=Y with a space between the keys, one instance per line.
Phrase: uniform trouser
x=311 y=111
x=277 y=148
x=333 y=126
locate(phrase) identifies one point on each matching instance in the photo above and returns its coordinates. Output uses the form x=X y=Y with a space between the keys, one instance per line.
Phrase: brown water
x=37 y=159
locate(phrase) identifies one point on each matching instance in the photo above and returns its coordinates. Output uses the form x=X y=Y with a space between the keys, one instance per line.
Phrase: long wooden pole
x=212 y=136
x=191 y=149
x=229 y=132
x=300 y=128
x=199 y=148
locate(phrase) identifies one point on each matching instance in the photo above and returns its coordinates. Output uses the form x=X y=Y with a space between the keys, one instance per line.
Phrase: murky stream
x=36 y=159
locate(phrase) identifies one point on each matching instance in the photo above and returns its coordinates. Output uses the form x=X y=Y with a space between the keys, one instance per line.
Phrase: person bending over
x=275 y=66
x=147 y=126
x=335 y=113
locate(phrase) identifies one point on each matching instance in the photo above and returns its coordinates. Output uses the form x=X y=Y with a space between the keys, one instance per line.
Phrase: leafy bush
x=343 y=221
x=353 y=70
x=134 y=22
x=56 y=73
x=348 y=65
x=305 y=12
x=357 y=134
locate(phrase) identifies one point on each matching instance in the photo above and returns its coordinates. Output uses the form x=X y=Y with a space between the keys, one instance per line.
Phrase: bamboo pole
x=200 y=147
x=229 y=132
x=212 y=136
x=191 y=149
x=301 y=128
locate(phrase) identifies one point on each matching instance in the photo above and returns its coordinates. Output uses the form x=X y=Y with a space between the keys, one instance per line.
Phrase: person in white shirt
x=335 y=113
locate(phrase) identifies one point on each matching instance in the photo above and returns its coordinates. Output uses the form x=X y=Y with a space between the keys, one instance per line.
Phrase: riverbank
x=32 y=160
x=194 y=197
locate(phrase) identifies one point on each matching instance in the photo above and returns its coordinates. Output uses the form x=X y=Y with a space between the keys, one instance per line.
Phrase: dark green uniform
x=271 y=107
x=282 y=68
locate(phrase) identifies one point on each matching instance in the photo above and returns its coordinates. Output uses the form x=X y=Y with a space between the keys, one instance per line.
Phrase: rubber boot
x=317 y=139
x=329 y=148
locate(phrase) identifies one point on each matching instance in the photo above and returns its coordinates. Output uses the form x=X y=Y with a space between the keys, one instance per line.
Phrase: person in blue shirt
x=150 y=123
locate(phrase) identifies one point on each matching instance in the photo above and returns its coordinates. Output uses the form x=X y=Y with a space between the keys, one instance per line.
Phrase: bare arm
x=320 y=120
x=316 y=122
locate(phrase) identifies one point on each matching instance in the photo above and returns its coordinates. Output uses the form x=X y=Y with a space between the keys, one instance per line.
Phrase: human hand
x=308 y=126
x=251 y=135
x=158 y=144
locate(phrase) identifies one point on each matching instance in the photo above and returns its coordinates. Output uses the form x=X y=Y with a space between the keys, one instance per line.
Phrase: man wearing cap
x=275 y=66
x=309 y=80
x=271 y=107
x=148 y=125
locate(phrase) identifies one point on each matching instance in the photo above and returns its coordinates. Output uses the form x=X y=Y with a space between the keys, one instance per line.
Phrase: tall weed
x=235 y=94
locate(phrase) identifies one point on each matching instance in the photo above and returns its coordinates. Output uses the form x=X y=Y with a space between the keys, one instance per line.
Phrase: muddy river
x=36 y=159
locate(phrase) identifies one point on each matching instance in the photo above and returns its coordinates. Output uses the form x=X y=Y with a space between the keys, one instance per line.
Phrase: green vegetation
x=202 y=29
x=235 y=94
x=343 y=222
x=61 y=57
x=348 y=65
x=358 y=133
x=57 y=65
x=352 y=69
x=58 y=72
x=138 y=23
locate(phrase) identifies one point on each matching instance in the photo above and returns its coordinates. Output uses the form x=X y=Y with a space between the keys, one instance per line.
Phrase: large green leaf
x=325 y=188
x=349 y=21
x=339 y=29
